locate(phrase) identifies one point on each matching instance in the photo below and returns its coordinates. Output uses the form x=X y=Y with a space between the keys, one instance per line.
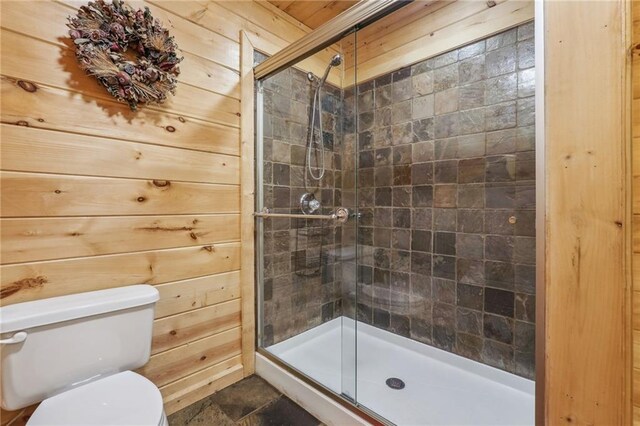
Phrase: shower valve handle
x=342 y=214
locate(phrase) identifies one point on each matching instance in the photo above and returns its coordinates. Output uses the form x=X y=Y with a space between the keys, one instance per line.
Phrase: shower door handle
x=340 y=215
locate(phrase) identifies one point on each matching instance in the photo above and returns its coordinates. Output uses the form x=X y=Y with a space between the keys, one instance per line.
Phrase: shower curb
x=322 y=407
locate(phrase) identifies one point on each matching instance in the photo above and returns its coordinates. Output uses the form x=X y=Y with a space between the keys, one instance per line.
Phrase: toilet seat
x=123 y=399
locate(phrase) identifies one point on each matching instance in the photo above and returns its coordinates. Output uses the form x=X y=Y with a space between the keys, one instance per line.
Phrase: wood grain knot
x=22 y=123
x=141 y=199
x=181 y=119
x=193 y=236
x=173 y=332
x=618 y=224
x=27 y=86
x=203 y=357
x=491 y=3
x=170 y=129
x=23 y=284
x=161 y=183
x=209 y=248
x=57 y=191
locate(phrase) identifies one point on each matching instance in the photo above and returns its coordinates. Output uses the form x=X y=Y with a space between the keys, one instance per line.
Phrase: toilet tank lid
x=22 y=316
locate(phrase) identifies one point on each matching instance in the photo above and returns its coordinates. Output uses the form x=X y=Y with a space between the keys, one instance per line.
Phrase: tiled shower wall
x=446 y=193
x=302 y=284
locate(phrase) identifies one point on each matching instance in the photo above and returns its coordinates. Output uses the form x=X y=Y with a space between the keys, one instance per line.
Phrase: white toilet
x=74 y=353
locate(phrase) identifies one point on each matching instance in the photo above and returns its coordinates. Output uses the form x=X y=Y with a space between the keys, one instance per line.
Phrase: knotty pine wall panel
x=586 y=336
x=96 y=196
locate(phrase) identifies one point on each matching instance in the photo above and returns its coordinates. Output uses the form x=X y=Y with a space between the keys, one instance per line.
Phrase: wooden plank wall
x=587 y=216
x=95 y=196
x=424 y=29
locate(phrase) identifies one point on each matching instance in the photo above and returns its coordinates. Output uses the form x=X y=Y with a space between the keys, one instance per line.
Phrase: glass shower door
x=306 y=254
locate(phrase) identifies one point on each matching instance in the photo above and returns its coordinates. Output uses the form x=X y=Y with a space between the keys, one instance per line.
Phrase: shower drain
x=395 y=383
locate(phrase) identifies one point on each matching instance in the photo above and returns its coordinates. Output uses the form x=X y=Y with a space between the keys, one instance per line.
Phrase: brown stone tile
x=470 y=221
x=498 y=328
x=244 y=397
x=445 y=196
x=422 y=83
x=470 y=146
x=499 y=274
x=446 y=101
x=423 y=107
x=444 y=220
x=471 y=95
x=469 y=346
x=446 y=77
x=470 y=246
x=499 y=302
x=402 y=175
x=471 y=196
x=281 y=412
x=501 y=142
x=203 y=412
x=444 y=291
x=445 y=171
x=470 y=271
x=470 y=296
x=422 y=173
x=471 y=171
x=471 y=121
x=446 y=149
x=498 y=355
x=469 y=321
x=501 y=168
x=472 y=70
x=401 y=195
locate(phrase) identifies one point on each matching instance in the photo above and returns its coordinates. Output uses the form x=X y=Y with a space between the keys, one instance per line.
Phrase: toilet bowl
x=123 y=399
x=75 y=353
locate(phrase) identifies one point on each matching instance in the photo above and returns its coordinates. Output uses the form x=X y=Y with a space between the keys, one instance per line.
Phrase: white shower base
x=441 y=388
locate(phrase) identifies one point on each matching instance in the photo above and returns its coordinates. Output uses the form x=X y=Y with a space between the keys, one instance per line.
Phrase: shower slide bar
x=341 y=215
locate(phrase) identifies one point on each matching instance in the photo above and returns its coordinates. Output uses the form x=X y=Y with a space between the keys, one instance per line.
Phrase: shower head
x=335 y=61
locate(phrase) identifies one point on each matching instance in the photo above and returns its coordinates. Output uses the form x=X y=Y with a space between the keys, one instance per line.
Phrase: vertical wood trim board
x=635 y=133
x=95 y=196
x=587 y=224
x=247 y=205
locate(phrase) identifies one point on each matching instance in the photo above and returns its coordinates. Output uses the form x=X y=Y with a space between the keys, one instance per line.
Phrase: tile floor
x=250 y=402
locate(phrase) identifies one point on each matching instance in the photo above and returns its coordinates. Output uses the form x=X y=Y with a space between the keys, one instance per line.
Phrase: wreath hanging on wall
x=108 y=36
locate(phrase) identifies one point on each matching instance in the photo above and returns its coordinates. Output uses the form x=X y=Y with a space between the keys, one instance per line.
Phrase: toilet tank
x=72 y=340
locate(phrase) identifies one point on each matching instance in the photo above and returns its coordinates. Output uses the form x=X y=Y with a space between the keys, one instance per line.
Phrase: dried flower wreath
x=103 y=33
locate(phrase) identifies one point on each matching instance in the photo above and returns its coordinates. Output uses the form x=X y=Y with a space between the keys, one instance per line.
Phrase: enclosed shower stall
x=396 y=230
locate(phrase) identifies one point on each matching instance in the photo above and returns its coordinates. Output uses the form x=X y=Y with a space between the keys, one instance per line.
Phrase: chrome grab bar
x=340 y=215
